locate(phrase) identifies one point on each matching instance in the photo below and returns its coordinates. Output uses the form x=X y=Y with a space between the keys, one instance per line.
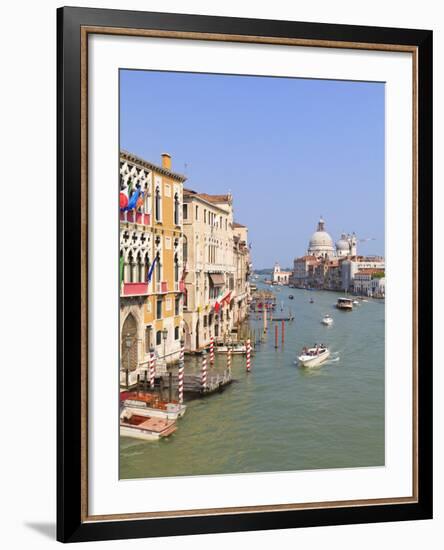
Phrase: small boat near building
x=237 y=348
x=144 y=427
x=150 y=404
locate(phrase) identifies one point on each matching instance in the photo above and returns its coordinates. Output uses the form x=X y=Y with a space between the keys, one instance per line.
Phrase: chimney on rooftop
x=166 y=161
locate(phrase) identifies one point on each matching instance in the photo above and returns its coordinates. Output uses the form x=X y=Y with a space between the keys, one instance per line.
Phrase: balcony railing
x=135 y=217
x=179 y=286
x=135 y=289
x=162 y=287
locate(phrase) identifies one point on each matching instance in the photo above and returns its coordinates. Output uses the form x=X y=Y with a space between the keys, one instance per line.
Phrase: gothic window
x=148 y=336
x=176 y=209
x=176 y=269
x=158 y=205
x=159 y=308
x=158 y=268
x=131 y=268
x=185 y=250
x=139 y=269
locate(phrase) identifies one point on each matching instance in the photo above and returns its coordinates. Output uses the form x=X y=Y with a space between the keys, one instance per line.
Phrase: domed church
x=321 y=244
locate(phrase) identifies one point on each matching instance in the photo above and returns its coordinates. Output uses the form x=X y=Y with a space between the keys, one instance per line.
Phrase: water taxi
x=144 y=427
x=345 y=303
x=327 y=320
x=315 y=356
x=150 y=404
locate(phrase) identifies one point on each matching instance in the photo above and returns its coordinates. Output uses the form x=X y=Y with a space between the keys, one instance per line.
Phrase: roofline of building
x=195 y=195
x=131 y=157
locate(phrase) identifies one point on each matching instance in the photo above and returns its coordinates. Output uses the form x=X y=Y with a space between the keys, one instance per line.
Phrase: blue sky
x=288 y=149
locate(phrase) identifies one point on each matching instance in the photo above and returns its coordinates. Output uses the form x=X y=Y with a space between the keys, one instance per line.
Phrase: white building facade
x=216 y=281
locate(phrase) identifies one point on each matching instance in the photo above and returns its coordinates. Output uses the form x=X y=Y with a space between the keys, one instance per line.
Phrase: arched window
x=139 y=269
x=158 y=268
x=131 y=268
x=176 y=269
x=176 y=209
x=158 y=205
x=185 y=249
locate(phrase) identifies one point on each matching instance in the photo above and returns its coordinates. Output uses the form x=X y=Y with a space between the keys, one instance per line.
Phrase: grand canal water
x=282 y=417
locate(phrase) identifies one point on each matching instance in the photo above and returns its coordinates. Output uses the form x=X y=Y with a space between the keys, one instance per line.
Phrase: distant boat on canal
x=327 y=320
x=313 y=357
x=346 y=304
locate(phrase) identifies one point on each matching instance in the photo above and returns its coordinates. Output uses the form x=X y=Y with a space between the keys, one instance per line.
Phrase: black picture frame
x=71 y=524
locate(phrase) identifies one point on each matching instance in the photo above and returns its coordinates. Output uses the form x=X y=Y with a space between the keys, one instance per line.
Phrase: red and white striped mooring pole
x=203 y=373
x=229 y=360
x=211 y=351
x=152 y=368
x=181 y=370
x=248 y=355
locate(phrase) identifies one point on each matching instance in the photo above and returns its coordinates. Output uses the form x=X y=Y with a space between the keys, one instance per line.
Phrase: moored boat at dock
x=150 y=404
x=237 y=348
x=315 y=356
x=144 y=427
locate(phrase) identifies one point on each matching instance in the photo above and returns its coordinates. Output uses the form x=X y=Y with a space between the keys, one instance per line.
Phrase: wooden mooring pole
x=276 y=336
x=283 y=332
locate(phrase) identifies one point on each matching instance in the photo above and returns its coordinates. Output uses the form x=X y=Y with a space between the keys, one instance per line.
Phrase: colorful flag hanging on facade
x=133 y=200
x=151 y=269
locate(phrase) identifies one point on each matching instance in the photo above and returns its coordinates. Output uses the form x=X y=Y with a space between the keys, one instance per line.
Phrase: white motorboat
x=313 y=357
x=355 y=303
x=327 y=320
x=145 y=427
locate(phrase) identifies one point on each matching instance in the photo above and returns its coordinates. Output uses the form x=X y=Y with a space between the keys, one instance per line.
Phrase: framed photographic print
x=244 y=274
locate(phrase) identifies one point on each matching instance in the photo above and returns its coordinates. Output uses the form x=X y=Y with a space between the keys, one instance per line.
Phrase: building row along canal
x=184 y=266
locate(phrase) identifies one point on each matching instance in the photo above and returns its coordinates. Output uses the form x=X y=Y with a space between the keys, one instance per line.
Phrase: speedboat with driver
x=315 y=356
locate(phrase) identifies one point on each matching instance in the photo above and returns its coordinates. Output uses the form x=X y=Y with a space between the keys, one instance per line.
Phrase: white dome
x=321 y=244
x=342 y=244
x=321 y=239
